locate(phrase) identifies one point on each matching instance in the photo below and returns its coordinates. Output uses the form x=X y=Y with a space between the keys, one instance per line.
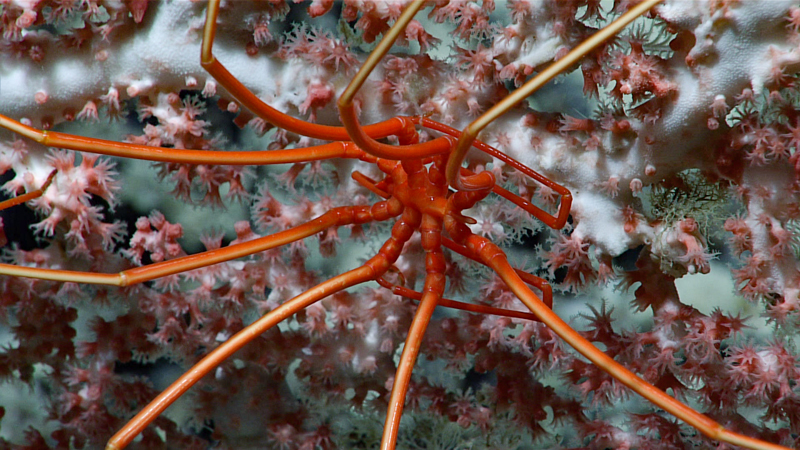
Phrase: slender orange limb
x=407 y=360
x=147 y=415
x=148 y=153
x=250 y=101
x=368 y=183
x=454 y=304
x=470 y=133
x=492 y=256
x=438 y=146
x=556 y=222
x=433 y=289
x=372 y=269
x=347 y=109
x=539 y=283
x=28 y=195
x=336 y=217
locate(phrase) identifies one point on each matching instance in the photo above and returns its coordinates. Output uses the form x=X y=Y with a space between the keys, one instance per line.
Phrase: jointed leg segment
x=337 y=217
x=144 y=152
x=432 y=292
x=229 y=347
x=492 y=256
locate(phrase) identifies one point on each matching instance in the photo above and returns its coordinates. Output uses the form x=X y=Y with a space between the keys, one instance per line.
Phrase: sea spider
x=425 y=188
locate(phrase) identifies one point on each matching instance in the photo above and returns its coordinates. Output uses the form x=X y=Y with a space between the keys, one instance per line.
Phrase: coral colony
x=682 y=153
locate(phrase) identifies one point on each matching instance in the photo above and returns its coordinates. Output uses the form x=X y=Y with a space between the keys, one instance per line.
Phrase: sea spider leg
x=495 y=258
x=149 y=153
x=470 y=133
x=372 y=269
x=409 y=147
x=432 y=292
x=344 y=215
x=248 y=100
x=363 y=180
x=454 y=304
x=426 y=193
x=28 y=195
x=402 y=127
x=138 y=423
x=539 y=283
